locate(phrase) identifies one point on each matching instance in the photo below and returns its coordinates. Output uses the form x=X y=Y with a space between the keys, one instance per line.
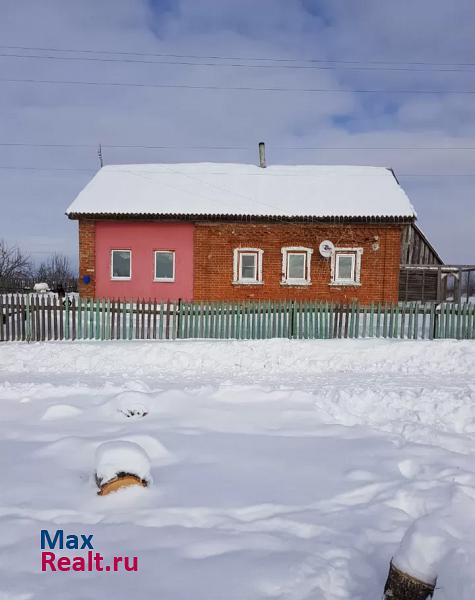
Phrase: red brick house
x=236 y=232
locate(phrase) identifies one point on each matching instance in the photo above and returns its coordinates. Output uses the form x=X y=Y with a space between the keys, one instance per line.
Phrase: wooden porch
x=437 y=283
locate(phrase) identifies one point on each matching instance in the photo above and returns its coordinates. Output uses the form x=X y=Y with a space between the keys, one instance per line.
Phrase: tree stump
x=122 y=480
x=402 y=586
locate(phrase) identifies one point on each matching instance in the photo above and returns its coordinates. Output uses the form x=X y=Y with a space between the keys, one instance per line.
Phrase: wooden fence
x=41 y=318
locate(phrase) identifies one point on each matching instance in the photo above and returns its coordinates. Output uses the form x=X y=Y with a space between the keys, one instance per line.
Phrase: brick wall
x=213 y=261
x=87 y=257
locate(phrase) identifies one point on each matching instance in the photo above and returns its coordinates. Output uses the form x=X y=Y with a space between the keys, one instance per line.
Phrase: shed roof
x=224 y=189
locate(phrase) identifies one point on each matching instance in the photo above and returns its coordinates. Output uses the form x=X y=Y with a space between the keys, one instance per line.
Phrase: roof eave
x=400 y=219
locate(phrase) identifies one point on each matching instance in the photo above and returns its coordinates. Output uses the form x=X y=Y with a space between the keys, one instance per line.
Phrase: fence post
x=28 y=318
x=292 y=321
x=66 y=317
x=433 y=322
x=178 y=318
x=167 y=321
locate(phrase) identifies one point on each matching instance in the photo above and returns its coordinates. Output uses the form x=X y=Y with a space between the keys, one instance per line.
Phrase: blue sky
x=359 y=35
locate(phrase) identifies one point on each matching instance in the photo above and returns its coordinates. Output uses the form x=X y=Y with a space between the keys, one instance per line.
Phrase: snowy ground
x=285 y=470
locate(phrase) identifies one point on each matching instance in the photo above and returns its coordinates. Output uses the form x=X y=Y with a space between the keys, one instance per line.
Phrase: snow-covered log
x=434 y=547
x=415 y=566
x=121 y=464
x=403 y=586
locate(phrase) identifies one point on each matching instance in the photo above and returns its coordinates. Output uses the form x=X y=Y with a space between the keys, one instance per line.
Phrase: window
x=346 y=266
x=164 y=265
x=247 y=266
x=296 y=265
x=121 y=264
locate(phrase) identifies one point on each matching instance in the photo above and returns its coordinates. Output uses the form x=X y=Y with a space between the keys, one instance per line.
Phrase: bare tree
x=55 y=270
x=13 y=262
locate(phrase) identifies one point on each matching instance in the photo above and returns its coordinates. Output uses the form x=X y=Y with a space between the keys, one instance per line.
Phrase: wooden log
x=122 y=480
x=402 y=586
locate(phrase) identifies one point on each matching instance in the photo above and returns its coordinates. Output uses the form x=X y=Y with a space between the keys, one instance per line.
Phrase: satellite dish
x=326 y=248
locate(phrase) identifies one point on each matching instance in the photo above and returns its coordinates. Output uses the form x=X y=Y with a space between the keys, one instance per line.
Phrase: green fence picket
x=194 y=320
x=387 y=325
x=448 y=321
x=125 y=321
x=458 y=319
x=416 y=321
x=211 y=320
x=222 y=321
x=91 y=319
x=378 y=321
x=279 y=318
x=357 y=321
x=205 y=321
x=424 y=319
x=299 y=320
x=311 y=319
x=190 y=321
x=410 y=326
x=97 y=335
x=432 y=322
x=443 y=319
x=216 y=322
x=469 y=314
x=451 y=328
x=440 y=321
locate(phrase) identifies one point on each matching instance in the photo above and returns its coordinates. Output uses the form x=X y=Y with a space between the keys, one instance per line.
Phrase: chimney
x=262 y=155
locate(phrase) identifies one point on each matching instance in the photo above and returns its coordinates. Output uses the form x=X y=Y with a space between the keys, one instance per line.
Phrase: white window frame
x=114 y=277
x=163 y=279
x=286 y=252
x=237 y=254
x=355 y=254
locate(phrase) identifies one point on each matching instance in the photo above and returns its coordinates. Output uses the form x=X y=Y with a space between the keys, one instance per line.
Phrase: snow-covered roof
x=223 y=189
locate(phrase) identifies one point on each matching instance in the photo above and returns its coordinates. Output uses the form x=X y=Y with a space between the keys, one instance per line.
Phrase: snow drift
x=287 y=470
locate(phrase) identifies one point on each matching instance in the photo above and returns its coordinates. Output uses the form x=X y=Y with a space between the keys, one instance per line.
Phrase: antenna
x=99 y=154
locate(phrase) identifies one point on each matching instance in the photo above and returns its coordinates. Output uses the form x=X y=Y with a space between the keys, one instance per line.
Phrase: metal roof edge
x=244 y=217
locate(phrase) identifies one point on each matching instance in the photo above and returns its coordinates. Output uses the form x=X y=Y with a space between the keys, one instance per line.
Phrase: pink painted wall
x=143 y=238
